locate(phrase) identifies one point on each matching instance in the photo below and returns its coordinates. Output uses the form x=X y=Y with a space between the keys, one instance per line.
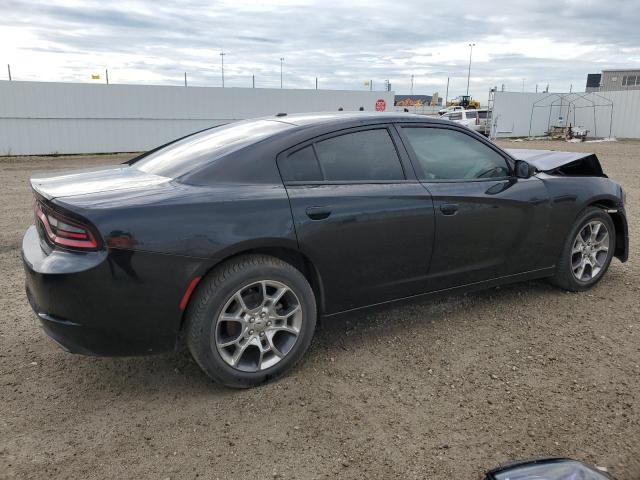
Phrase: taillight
x=64 y=232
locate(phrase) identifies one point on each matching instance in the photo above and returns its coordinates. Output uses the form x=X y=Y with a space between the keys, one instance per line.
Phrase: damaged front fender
x=572 y=164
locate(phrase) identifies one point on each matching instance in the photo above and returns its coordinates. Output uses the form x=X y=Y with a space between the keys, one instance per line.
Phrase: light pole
x=281 y=60
x=471 y=45
x=222 y=54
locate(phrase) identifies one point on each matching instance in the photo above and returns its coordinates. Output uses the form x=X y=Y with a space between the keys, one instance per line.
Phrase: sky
x=520 y=44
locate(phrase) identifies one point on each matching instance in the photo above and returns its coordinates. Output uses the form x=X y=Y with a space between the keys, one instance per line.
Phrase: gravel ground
x=437 y=389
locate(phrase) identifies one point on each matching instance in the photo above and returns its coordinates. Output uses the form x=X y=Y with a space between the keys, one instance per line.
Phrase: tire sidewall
x=211 y=360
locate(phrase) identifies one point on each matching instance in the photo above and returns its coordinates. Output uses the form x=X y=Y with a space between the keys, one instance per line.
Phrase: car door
x=489 y=223
x=361 y=216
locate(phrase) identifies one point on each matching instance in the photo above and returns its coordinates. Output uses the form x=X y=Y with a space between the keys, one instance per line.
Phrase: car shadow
x=395 y=318
x=177 y=373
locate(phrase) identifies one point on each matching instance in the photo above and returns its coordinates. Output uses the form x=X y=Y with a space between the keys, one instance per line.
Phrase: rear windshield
x=199 y=149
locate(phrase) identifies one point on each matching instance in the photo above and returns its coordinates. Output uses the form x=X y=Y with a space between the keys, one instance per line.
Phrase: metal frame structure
x=571 y=99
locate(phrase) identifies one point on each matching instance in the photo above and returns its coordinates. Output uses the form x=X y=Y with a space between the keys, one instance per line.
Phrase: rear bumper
x=107 y=303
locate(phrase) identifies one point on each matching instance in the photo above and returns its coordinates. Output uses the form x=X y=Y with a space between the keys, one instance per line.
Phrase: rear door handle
x=449 y=208
x=318 y=213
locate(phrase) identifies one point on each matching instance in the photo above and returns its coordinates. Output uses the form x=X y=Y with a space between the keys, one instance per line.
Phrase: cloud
x=341 y=43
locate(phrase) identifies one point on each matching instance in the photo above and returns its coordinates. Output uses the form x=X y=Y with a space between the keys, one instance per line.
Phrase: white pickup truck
x=473 y=119
x=453 y=108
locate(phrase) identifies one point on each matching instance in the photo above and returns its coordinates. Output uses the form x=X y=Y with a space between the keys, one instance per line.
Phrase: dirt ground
x=431 y=390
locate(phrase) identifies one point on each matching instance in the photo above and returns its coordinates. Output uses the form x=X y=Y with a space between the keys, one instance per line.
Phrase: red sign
x=380 y=105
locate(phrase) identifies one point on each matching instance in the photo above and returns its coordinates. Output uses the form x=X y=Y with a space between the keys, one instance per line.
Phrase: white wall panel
x=513 y=113
x=45 y=118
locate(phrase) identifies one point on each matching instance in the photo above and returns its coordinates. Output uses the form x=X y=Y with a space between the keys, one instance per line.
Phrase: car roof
x=321 y=118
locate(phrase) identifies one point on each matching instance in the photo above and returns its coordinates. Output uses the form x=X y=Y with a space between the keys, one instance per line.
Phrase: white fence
x=603 y=114
x=46 y=118
x=423 y=110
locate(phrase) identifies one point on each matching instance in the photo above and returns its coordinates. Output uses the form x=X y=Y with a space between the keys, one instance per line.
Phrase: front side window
x=360 y=156
x=445 y=154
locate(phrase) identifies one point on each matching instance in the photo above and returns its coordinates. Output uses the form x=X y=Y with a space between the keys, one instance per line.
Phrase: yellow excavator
x=465 y=101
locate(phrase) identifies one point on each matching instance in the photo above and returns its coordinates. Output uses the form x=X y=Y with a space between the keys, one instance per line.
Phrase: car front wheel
x=251 y=320
x=587 y=252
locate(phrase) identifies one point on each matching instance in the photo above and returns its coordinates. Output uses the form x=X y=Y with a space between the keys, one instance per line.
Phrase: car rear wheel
x=251 y=320
x=587 y=252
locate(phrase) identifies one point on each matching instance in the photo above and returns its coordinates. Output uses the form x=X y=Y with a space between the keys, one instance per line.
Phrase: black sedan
x=240 y=236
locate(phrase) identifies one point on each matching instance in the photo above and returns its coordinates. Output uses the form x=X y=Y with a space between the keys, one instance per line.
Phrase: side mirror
x=547 y=469
x=523 y=169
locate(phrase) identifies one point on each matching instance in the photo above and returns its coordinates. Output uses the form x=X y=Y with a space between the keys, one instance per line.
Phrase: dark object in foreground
x=241 y=235
x=547 y=469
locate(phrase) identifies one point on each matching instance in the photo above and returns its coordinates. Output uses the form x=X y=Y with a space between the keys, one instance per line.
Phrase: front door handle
x=318 y=213
x=449 y=208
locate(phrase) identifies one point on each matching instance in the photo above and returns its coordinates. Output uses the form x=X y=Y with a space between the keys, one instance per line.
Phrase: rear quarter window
x=300 y=166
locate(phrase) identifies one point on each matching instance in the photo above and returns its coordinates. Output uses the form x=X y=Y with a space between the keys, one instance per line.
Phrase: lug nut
x=262 y=334
x=269 y=323
x=250 y=332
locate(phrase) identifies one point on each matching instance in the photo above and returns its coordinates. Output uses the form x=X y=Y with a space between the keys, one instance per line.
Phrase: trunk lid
x=72 y=183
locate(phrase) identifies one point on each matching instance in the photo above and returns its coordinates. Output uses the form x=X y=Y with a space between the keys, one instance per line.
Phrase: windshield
x=202 y=148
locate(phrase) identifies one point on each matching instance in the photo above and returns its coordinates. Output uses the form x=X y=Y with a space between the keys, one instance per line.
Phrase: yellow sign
x=95 y=77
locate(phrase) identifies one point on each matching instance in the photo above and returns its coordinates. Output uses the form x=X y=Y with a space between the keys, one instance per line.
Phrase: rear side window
x=482 y=114
x=300 y=166
x=455 y=116
x=445 y=154
x=364 y=155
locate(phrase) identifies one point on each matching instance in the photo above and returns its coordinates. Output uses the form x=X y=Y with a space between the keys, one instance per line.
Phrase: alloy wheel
x=590 y=251
x=258 y=326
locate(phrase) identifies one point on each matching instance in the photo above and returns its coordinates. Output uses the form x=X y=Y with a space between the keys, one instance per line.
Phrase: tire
x=566 y=275
x=245 y=289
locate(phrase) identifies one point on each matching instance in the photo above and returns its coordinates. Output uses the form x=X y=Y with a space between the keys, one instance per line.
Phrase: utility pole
x=185 y=79
x=9 y=71
x=536 y=88
x=570 y=88
x=471 y=45
x=281 y=60
x=253 y=81
x=446 y=95
x=222 y=54
x=411 y=84
x=371 y=85
x=316 y=83
x=106 y=75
